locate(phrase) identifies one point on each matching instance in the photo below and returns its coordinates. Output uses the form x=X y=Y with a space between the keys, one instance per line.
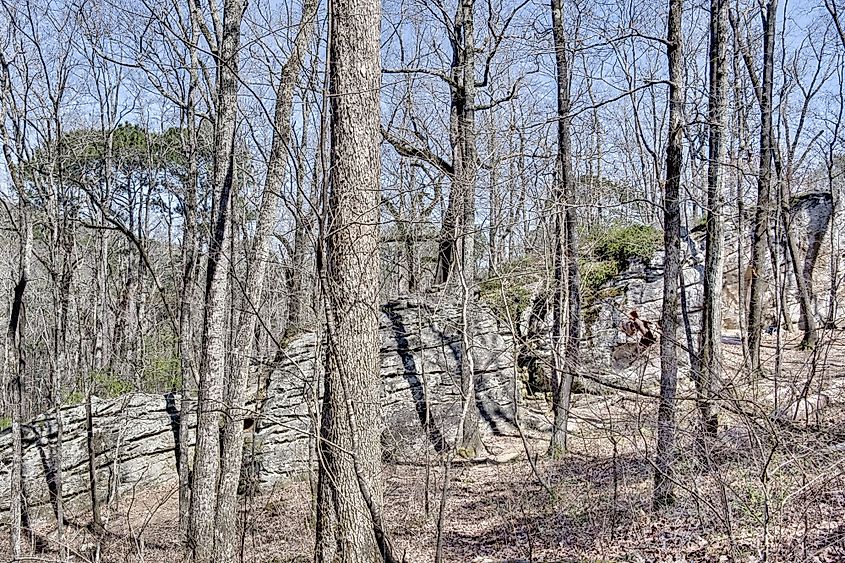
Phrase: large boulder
x=420 y=368
x=614 y=354
x=611 y=353
x=809 y=218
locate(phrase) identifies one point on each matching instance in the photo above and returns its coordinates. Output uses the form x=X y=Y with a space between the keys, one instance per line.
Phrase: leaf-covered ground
x=771 y=486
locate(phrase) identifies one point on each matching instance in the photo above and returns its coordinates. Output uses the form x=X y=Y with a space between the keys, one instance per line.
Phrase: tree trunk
x=212 y=372
x=187 y=360
x=350 y=441
x=15 y=357
x=226 y=522
x=764 y=180
x=16 y=367
x=710 y=366
x=664 y=464
x=465 y=163
x=303 y=221
x=457 y=236
x=566 y=275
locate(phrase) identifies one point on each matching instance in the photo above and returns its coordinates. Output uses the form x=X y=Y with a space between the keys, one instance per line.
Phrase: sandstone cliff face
x=420 y=363
x=135 y=435
x=810 y=215
x=133 y=441
x=610 y=350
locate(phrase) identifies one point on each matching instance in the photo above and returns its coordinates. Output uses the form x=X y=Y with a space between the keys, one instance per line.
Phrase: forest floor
x=771 y=487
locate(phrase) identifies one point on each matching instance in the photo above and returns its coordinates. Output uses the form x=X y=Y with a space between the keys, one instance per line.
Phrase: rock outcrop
x=612 y=354
x=133 y=442
x=135 y=436
x=609 y=351
x=420 y=368
x=810 y=217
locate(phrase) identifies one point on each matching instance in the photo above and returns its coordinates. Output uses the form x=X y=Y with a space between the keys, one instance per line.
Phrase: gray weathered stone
x=133 y=442
x=135 y=434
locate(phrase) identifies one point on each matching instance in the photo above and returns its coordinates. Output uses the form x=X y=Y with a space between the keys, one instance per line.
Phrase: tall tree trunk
x=456 y=233
x=666 y=425
x=212 y=372
x=710 y=366
x=465 y=163
x=566 y=275
x=763 y=212
x=350 y=444
x=187 y=359
x=303 y=218
x=16 y=367
x=60 y=277
x=226 y=522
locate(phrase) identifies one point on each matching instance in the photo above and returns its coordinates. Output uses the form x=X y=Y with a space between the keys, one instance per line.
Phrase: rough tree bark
x=666 y=425
x=187 y=360
x=212 y=371
x=303 y=221
x=15 y=361
x=565 y=249
x=763 y=211
x=350 y=450
x=456 y=237
x=16 y=368
x=226 y=522
x=710 y=366
x=457 y=250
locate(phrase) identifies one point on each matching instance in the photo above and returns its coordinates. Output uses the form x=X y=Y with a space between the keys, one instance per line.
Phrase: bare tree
x=763 y=211
x=666 y=423
x=710 y=365
x=232 y=446
x=187 y=357
x=225 y=45
x=565 y=246
x=15 y=364
x=456 y=257
x=350 y=518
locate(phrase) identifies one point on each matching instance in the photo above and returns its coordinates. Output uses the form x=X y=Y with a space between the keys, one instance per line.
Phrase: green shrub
x=509 y=290
x=73 y=398
x=161 y=370
x=5 y=422
x=612 y=250
x=623 y=244
x=596 y=274
x=109 y=386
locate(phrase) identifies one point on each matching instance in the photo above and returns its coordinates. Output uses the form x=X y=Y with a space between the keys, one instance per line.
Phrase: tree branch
x=406 y=149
